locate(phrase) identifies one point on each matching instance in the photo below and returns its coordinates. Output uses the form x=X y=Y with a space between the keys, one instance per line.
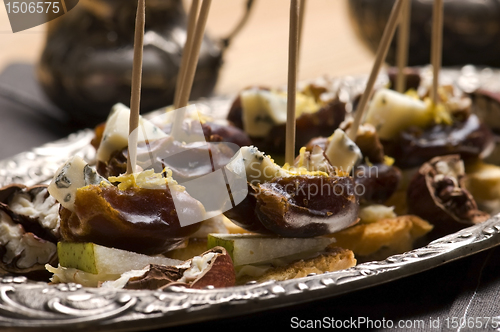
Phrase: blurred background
x=83 y=45
x=258 y=55
x=86 y=63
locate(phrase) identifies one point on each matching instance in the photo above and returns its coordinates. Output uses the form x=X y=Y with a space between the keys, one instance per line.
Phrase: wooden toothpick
x=292 y=81
x=195 y=52
x=188 y=46
x=302 y=11
x=192 y=62
x=135 y=98
x=383 y=47
x=436 y=47
x=403 y=45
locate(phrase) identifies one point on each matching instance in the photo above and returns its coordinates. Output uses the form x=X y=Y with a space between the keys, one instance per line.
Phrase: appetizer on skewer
x=111 y=142
x=134 y=217
x=309 y=199
x=261 y=113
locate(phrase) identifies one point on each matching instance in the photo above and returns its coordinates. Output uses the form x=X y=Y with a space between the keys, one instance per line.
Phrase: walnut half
x=29 y=230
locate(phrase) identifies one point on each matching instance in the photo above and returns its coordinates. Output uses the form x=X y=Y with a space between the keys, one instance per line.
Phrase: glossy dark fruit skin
x=379 y=182
x=116 y=165
x=411 y=75
x=167 y=151
x=307 y=206
x=220 y=131
x=137 y=219
x=186 y=161
x=215 y=132
x=370 y=145
x=308 y=125
x=298 y=206
x=244 y=214
x=445 y=203
x=469 y=138
x=219 y=273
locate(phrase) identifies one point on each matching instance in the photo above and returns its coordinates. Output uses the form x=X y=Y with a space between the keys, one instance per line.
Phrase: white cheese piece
x=259 y=168
x=116 y=132
x=342 y=152
x=255 y=112
x=264 y=109
x=313 y=161
x=74 y=174
x=375 y=212
x=391 y=112
x=450 y=170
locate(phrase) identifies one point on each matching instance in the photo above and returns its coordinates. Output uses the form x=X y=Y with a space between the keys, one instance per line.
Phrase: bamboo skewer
x=292 y=81
x=135 y=98
x=302 y=10
x=383 y=47
x=436 y=47
x=188 y=46
x=403 y=45
x=195 y=52
x=187 y=82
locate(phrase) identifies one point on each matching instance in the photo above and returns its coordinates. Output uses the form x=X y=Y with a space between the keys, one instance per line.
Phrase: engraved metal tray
x=26 y=304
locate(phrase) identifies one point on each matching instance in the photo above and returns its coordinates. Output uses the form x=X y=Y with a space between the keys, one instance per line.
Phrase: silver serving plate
x=26 y=304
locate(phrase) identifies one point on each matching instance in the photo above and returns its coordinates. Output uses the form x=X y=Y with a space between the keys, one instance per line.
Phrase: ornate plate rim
x=26 y=304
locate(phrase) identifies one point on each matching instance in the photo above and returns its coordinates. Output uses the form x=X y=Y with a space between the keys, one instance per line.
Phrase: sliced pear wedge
x=96 y=259
x=256 y=249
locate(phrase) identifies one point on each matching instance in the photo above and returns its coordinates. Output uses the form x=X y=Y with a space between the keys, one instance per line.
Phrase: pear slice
x=96 y=259
x=256 y=249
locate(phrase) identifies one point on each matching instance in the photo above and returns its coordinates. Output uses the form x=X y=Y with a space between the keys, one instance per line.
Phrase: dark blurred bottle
x=471 y=30
x=86 y=65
